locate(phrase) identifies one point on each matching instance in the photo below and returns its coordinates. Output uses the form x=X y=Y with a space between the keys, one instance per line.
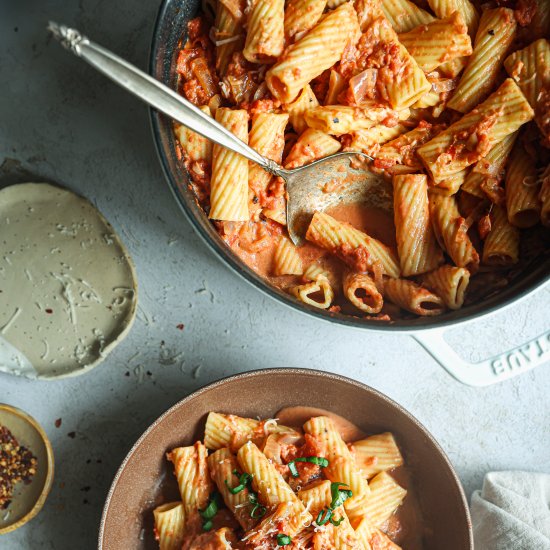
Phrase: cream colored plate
x=68 y=291
x=27 y=499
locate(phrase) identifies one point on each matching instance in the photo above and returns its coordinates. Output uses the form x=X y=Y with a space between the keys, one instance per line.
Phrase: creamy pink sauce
x=374 y=221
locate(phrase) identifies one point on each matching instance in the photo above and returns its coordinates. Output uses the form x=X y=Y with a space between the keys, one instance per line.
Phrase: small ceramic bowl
x=144 y=479
x=28 y=499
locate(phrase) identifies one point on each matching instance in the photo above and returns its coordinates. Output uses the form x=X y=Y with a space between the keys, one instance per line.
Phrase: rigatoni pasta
x=318 y=50
x=317 y=495
x=438 y=42
x=416 y=244
x=229 y=184
x=496 y=31
x=472 y=137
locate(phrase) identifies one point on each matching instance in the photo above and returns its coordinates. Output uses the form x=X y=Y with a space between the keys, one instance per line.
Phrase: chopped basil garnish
x=319 y=460
x=324 y=515
x=210 y=511
x=339 y=496
x=258 y=511
x=244 y=480
x=283 y=540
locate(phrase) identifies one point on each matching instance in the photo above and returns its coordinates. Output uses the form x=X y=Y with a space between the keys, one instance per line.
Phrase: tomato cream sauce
x=405 y=527
x=376 y=222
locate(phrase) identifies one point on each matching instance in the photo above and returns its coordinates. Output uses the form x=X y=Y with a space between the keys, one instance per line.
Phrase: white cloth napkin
x=512 y=512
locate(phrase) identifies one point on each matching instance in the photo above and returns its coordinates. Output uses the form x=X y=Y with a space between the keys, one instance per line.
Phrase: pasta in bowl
x=359 y=472
x=449 y=102
x=305 y=489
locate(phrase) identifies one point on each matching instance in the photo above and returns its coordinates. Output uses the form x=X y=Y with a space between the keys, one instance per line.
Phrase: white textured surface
x=62 y=122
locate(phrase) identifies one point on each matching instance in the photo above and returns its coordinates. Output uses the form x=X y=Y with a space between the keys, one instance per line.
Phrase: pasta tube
x=362 y=292
x=343 y=119
x=472 y=137
x=302 y=15
x=169 y=525
x=369 y=141
x=501 y=247
x=316 y=293
x=316 y=496
x=373 y=538
x=404 y=82
x=342 y=537
x=341 y=465
x=222 y=464
x=438 y=42
x=399 y=156
x=229 y=29
x=318 y=50
x=376 y=454
x=450 y=283
x=196 y=147
x=416 y=243
x=489 y=168
x=367 y=12
x=272 y=489
x=267 y=136
x=386 y=495
x=451 y=185
x=228 y=430
x=296 y=110
x=287 y=259
x=289 y=517
x=497 y=30
x=412 y=297
x=451 y=231
x=311 y=145
x=405 y=15
x=530 y=68
x=265 y=38
x=445 y=8
x=229 y=183
x=191 y=472
x=522 y=190
x=353 y=246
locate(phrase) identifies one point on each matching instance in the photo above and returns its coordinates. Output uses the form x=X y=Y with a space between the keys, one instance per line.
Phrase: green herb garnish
x=324 y=515
x=210 y=511
x=258 y=511
x=339 y=496
x=319 y=460
x=283 y=540
x=244 y=480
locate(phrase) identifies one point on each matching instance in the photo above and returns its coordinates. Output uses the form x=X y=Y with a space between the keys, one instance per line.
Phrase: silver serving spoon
x=308 y=187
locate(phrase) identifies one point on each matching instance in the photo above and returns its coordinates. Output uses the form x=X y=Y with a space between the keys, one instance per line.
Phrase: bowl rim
x=40 y=501
x=258 y=373
x=224 y=254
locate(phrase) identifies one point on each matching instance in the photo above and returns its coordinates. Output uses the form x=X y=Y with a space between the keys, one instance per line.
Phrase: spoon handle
x=156 y=94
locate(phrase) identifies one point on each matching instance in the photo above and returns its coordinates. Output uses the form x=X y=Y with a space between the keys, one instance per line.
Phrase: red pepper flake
x=58 y=423
x=72 y=435
x=181 y=326
x=17 y=464
x=48 y=311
